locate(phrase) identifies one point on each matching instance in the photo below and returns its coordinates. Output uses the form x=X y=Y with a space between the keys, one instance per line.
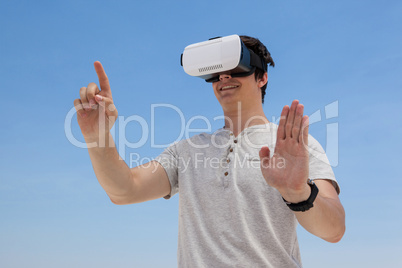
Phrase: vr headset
x=210 y=58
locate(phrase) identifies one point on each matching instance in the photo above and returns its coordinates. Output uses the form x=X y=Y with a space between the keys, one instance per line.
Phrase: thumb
x=107 y=104
x=264 y=153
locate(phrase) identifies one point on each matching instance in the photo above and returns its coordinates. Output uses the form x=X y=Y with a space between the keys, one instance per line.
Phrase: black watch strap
x=305 y=205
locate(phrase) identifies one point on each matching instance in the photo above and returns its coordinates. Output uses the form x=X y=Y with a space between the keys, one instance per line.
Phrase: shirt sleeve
x=169 y=161
x=319 y=166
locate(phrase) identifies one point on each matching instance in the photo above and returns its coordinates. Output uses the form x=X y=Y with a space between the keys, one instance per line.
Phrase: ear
x=263 y=81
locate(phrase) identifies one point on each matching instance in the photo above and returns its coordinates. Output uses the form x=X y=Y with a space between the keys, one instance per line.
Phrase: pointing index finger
x=103 y=80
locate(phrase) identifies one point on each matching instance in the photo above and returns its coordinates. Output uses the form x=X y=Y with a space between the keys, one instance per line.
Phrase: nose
x=224 y=76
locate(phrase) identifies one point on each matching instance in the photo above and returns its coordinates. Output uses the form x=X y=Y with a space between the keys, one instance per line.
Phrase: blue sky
x=345 y=54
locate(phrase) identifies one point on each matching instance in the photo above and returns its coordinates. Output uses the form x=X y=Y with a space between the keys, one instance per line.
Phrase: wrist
x=296 y=196
x=98 y=140
x=307 y=204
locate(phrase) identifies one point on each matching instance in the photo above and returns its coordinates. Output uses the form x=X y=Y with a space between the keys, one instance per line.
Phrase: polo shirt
x=228 y=215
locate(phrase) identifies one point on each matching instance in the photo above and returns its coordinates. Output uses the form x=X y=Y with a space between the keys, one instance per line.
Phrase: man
x=242 y=189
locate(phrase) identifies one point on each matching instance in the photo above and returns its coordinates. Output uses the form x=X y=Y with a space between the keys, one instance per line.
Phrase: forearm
x=325 y=220
x=111 y=171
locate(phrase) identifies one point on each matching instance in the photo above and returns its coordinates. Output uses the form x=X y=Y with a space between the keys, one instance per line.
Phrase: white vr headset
x=217 y=55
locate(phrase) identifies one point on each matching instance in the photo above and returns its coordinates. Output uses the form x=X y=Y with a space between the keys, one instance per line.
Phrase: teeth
x=228 y=87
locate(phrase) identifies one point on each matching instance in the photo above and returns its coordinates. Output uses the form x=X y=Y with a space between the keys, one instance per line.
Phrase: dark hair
x=255 y=45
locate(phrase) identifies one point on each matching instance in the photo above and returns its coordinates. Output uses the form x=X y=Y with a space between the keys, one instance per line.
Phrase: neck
x=240 y=118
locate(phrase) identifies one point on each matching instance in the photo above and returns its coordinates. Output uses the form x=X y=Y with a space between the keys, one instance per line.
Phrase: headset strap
x=257 y=61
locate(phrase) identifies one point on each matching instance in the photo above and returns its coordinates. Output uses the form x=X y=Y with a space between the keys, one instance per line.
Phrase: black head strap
x=257 y=61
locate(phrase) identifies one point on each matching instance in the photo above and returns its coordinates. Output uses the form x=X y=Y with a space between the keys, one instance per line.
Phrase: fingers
x=304 y=130
x=84 y=100
x=92 y=89
x=297 y=122
x=290 y=119
x=292 y=122
x=107 y=105
x=88 y=100
x=282 y=122
x=103 y=80
x=79 y=108
x=87 y=95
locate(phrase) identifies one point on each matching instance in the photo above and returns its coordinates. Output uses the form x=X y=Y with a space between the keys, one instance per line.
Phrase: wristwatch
x=305 y=205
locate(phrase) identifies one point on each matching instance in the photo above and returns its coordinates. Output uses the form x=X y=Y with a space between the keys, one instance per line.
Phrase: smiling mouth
x=228 y=87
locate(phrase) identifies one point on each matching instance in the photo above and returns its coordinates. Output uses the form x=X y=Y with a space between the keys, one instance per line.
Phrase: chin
x=228 y=103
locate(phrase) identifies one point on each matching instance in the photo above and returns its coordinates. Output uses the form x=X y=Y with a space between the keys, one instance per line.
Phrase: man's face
x=231 y=90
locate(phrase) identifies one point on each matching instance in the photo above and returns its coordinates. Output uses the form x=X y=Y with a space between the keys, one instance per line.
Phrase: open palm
x=287 y=169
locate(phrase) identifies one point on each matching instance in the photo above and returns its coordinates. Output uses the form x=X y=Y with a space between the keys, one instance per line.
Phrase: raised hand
x=95 y=108
x=288 y=169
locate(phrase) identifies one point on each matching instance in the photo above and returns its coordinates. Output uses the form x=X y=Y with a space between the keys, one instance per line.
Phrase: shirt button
x=226 y=173
x=231 y=150
x=228 y=160
x=235 y=141
x=231 y=134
